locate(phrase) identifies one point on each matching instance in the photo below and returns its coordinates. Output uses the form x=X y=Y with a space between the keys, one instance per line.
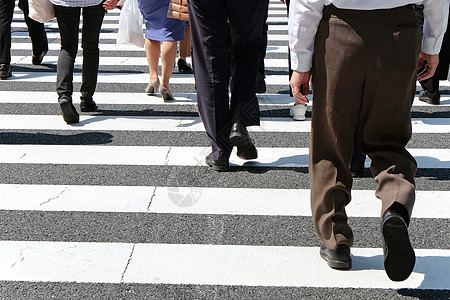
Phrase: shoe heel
x=165 y=93
x=152 y=86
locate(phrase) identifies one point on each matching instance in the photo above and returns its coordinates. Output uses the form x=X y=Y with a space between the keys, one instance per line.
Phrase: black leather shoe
x=68 y=111
x=239 y=137
x=399 y=256
x=430 y=97
x=5 y=71
x=337 y=258
x=88 y=105
x=37 y=59
x=220 y=165
x=184 y=67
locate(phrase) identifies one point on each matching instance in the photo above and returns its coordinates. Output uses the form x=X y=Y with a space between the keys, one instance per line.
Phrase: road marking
x=147 y=123
x=165 y=155
x=199 y=200
x=275 y=266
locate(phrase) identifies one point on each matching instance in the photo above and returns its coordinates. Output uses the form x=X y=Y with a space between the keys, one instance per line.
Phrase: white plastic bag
x=130 y=25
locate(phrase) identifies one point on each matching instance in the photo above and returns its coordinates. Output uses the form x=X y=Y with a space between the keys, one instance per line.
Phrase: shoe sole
x=245 y=149
x=400 y=258
x=336 y=264
x=68 y=112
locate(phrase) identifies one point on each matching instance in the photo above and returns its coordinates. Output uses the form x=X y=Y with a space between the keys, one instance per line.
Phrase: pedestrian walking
x=35 y=30
x=161 y=36
x=363 y=57
x=68 y=16
x=215 y=56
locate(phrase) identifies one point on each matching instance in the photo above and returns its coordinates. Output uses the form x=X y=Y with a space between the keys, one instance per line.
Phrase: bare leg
x=168 y=54
x=152 y=49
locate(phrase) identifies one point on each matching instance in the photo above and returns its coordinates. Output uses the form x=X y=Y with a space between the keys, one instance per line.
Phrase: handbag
x=41 y=10
x=130 y=25
x=178 y=9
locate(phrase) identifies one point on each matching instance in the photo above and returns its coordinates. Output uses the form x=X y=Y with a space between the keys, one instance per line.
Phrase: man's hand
x=300 y=86
x=432 y=61
x=282 y=1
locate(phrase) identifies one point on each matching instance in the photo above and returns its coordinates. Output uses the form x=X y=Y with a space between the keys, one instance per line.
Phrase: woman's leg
x=168 y=54
x=152 y=49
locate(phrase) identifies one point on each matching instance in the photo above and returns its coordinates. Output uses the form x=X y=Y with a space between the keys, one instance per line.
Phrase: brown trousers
x=364 y=72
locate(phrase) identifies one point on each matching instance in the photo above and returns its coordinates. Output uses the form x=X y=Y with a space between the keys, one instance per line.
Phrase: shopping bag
x=130 y=25
x=41 y=10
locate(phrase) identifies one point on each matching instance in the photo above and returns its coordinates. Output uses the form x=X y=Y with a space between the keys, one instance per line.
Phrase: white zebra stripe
x=209 y=264
x=199 y=200
x=145 y=123
x=165 y=155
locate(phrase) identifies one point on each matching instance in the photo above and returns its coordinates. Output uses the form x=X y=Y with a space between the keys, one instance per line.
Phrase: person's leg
x=337 y=96
x=185 y=51
x=37 y=34
x=385 y=119
x=168 y=55
x=6 y=15
x=68 y=22
x=246 y=38
x=152 y=51
x=92 y=22
x=209 y=33
x=260 y=76
x=385 y=129
x=185 y=45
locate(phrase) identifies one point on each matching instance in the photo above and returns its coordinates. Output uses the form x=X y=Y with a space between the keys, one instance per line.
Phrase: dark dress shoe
x=88 y=105
x=68 y=111
x=239 y=137
x=399 y=256
x=337 y=258
x=220 y=165
x=5 y=71
x=430 y=97
x=184 y=67
x=37 y=59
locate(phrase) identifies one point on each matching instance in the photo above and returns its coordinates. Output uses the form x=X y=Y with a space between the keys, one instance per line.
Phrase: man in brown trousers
x=363 y=57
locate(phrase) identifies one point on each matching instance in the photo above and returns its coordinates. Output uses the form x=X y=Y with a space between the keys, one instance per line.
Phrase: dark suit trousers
x=213 y=53
x=353 y=75
x=35 y=29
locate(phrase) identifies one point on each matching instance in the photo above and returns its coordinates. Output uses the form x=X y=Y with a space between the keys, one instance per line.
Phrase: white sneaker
x=298 y=112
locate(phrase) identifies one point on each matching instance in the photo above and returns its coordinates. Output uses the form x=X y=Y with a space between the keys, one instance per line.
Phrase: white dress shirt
x=305 y=16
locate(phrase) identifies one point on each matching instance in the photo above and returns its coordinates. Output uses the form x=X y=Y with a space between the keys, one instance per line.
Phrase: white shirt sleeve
x=435 y=14
x=304 y=18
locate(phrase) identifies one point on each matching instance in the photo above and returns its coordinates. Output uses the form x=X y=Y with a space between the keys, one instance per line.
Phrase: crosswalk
x=123 y=206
